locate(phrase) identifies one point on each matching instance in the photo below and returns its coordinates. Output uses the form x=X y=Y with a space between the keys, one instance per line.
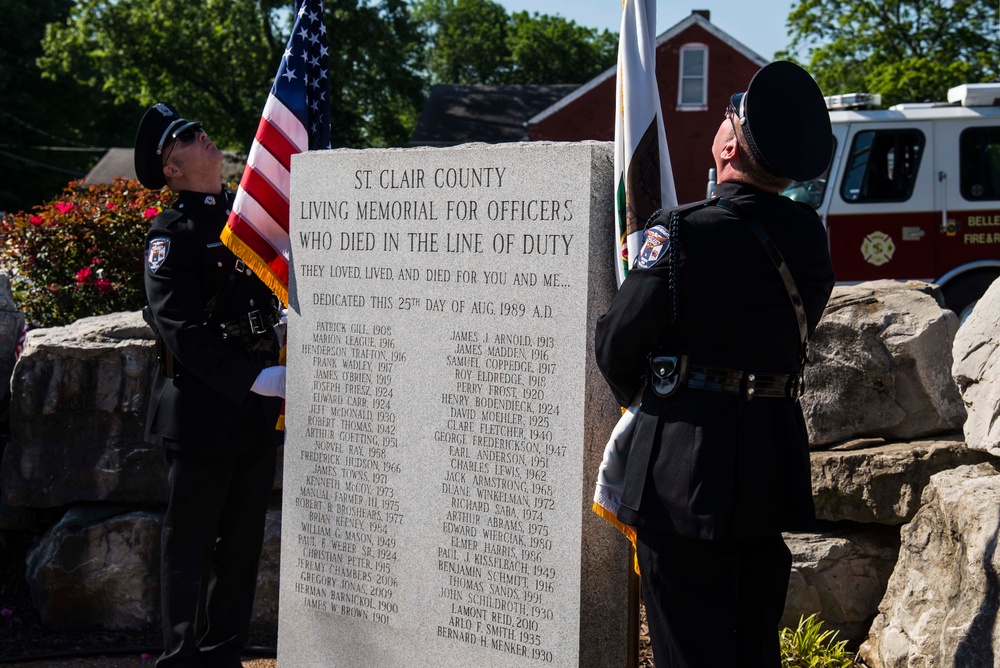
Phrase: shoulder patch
x=166 y=218
x=157 y=252
x=655 y=243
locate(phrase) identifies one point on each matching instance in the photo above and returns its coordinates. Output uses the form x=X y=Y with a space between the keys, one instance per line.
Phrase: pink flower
x=103 y=284
x=36 y=220
x=146 y=657
x=64 y=207
x=109 y=205
x=150 y=212
x=96 y=260
x=6 y=612
x=83 y=275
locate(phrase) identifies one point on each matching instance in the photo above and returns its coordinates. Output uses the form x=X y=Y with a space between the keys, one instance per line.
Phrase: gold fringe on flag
x=252 y=260
x=626 y=530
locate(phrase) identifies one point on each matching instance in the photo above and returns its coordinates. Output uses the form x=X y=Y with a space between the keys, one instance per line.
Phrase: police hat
x=785 y=122
x=160 y=124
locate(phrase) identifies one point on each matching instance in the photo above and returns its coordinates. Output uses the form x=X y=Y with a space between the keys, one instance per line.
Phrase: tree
x=549 y=49
x=477 y=42
x=50 y=130
x=216 y=59
x=210 y=58
x=906 y=50
x=377 y=84
x=466 y=40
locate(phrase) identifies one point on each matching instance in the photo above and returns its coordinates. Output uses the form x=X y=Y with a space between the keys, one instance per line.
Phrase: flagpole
x=633 y=610
x=643 y=184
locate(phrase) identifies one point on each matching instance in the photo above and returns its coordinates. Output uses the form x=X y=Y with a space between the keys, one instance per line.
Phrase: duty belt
x=251 y=324
x=748 y=383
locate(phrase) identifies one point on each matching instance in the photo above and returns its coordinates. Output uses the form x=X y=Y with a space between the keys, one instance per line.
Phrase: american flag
x=296 y=118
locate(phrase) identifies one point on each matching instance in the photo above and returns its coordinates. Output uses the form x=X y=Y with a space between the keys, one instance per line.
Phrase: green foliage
x=810 y=647
x=216 y=60
x=477 y=42
x=467 y=40
x=80 y=254
x=375 y=63
x=906 y=50
x=549 y=49
x=38 y=114
x=213 y=59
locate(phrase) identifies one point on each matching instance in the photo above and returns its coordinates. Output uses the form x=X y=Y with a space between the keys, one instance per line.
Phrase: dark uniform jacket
x=707 y=464
x=207 y=407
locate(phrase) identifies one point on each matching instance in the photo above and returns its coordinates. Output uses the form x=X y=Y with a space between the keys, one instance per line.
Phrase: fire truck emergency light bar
x=976 y=95
x=853 y=101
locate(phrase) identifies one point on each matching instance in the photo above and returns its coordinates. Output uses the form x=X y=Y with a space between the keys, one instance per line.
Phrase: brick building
x=698 y=67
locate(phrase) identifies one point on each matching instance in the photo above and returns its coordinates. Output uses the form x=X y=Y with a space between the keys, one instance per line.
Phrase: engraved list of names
x=435 y=416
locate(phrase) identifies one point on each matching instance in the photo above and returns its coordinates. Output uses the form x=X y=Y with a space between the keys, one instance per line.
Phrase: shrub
x=808 y=647
x=82 y=253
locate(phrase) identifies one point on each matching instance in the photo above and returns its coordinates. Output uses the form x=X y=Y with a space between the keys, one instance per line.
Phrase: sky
x=759 y=24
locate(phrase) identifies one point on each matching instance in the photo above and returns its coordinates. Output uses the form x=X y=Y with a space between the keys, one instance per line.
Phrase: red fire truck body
x=913 y=192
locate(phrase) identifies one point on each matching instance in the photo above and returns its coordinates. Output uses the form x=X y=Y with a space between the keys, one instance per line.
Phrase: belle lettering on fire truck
x=913 y=191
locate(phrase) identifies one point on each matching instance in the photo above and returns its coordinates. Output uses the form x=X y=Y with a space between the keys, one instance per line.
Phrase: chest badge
x=158 y=249
x=210 y=200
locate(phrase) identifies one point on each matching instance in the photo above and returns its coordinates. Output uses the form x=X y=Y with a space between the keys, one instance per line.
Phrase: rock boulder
x=941 y=605
x=977 y=371
x=841 y=574
x=98 y=568
x=880 y=365
x=11 y=326
x=882 y=484
x=78 y=415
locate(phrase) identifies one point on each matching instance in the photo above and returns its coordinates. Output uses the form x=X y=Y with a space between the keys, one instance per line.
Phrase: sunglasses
x=185 y=136
x=730 y=113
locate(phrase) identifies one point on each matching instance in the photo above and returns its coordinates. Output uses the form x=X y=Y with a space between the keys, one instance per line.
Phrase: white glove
x=270 y=382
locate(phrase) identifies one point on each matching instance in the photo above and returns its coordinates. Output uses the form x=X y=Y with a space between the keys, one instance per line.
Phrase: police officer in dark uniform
x=215 y=401
x=704 y=325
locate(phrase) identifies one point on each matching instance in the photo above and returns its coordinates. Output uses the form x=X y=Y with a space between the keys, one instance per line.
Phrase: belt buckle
x=256 y=322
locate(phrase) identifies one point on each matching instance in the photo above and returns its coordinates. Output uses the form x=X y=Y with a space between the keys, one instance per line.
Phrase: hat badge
x=163 y=109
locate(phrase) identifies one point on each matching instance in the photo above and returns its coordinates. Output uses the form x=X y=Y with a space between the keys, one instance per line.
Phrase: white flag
x=643 y=179
x=644 y=183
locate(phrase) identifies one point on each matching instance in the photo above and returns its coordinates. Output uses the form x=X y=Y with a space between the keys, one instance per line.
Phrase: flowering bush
x=82 y=253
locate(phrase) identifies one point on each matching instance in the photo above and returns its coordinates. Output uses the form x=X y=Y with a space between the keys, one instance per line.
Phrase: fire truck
x=913 y=192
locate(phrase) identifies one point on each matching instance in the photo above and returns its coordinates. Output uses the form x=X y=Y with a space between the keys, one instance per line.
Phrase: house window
x=693 y=88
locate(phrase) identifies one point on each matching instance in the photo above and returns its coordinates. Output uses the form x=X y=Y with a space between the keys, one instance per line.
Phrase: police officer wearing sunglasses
x=215 y=401
x=711 y=325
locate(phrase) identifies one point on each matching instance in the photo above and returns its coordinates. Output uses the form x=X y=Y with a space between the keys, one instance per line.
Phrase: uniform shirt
x=714 y=464
x=187 y=266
